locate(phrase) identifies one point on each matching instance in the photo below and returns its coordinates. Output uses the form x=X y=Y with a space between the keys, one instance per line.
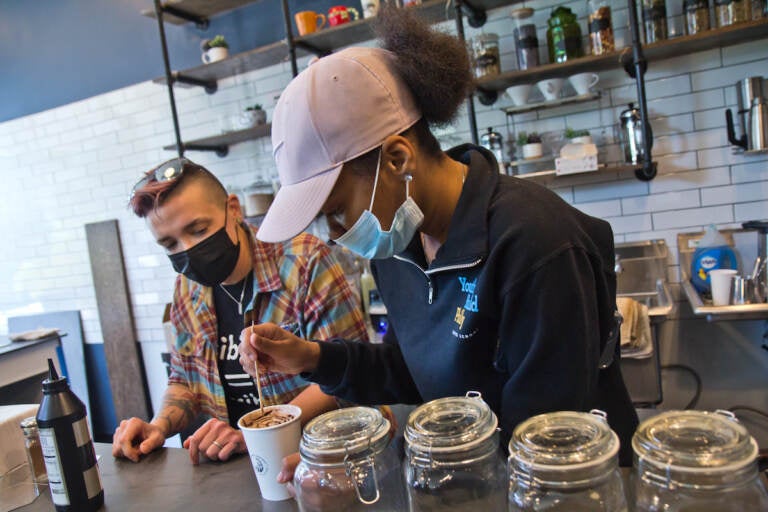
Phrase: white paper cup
x=720 y=280
x=268 y=446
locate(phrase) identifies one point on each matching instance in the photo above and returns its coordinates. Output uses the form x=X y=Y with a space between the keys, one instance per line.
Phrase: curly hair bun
x=434 y=65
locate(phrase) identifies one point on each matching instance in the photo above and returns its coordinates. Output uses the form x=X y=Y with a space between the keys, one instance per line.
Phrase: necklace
x=242 y=294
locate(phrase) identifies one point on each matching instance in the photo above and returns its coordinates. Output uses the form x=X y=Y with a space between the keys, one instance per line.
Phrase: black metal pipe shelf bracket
x=312 y=49
x=200 y=22
x=289 y=37
x=476 y=17
x=169 y=78
x=210 y=86
x=636 y=68
x=459 y=5
x=221 y=151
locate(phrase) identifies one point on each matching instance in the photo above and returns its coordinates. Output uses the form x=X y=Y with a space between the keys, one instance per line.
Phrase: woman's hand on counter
x=276 y=349
x=135 y=437
x=216 y=439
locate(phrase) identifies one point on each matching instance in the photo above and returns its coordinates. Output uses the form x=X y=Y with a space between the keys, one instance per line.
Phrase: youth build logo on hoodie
x=470 y=306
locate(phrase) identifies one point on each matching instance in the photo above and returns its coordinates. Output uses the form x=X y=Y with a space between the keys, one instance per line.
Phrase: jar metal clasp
x=363 y=475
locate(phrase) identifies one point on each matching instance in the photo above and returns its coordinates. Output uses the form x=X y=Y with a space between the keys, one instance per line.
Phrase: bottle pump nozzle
x=52 y=374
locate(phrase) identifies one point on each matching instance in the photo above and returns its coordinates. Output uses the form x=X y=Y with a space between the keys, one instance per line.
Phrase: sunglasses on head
x=168 y=171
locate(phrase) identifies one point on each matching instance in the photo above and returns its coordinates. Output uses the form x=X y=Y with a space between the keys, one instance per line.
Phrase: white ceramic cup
x=370 y=8
x=551 y=88
x=583 y=82
x=214 y=54
x=519 y=93
x=267 y=446
x=720 y=279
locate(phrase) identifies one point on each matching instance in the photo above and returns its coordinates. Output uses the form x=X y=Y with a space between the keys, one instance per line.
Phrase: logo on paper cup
x=259 y=464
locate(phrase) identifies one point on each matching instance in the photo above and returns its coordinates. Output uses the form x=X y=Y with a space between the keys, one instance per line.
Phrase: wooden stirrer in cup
x=258 y=380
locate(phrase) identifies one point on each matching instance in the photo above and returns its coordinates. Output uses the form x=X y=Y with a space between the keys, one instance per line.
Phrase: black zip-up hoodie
x=518 y=304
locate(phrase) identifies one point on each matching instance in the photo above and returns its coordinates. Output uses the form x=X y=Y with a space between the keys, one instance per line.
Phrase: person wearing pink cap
x=492 y=283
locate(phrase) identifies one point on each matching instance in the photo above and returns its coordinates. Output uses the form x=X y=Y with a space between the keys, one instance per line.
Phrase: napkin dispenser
x=575 y=158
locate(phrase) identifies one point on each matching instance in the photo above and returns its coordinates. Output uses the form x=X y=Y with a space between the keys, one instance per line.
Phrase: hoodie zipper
x=428 y=273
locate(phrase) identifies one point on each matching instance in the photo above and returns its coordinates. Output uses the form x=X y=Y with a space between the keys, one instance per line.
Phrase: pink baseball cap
x=339 y=108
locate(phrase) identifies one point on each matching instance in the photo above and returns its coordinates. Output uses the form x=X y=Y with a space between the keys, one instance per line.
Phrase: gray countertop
x=166 y=480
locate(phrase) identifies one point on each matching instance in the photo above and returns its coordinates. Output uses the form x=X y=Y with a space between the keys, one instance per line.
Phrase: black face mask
x=211 y=261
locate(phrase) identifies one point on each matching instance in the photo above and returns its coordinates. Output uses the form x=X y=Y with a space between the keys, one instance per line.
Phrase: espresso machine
x=751 y=121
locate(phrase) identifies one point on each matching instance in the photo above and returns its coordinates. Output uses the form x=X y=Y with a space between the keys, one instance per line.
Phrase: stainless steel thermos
x=70 y=460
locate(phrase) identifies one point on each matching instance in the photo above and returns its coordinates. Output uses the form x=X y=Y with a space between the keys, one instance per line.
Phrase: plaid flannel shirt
x=298 y=285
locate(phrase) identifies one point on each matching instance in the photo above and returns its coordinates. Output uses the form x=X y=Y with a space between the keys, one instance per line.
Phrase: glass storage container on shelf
x=34 y=452
x=728 y=12
x=565 y=462
x=696 y=461
x=600 y=27
x=345 y=464
x=485 y=55
x=563 y=35
x=696 y=16
x=526 y=40
x=655 y=20
x=452 y=457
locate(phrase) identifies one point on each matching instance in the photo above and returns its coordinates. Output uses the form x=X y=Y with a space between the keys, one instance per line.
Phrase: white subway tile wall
x=76 y=164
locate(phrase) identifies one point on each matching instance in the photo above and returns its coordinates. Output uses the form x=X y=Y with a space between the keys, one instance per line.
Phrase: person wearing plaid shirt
x=228 y=279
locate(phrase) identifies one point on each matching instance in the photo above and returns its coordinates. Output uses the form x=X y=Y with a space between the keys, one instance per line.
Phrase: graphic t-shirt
x=240 y=389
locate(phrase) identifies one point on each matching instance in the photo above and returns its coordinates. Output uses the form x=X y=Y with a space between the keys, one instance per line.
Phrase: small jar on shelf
x=485 y=55
x=696 y=16
x=526 y=40
x=601 y=39
x=563 y=36
x=655 y=20
x=729 y=12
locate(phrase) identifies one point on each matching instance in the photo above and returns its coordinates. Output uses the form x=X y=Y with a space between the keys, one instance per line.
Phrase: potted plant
x=530 y=144
x=578 y=136
x=215 y=49
x=253 y=115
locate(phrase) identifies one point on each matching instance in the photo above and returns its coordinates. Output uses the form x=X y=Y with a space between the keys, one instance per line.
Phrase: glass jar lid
x=563 y=440
x=486 y=38
x=344 y=432
x=521 y=13
x=450 y=424
x=694 y=441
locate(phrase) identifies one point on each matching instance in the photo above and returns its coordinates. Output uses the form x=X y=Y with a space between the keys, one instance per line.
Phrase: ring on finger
x=216 y=443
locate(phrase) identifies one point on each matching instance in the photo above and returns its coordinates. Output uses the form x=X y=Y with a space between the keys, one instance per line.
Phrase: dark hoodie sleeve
x=551 y=342
x=367 y=374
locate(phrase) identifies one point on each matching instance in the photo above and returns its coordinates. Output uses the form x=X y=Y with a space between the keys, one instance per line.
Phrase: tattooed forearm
x=178 y=411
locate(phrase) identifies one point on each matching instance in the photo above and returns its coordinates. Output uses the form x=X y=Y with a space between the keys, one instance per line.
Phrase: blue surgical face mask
x=367 y=239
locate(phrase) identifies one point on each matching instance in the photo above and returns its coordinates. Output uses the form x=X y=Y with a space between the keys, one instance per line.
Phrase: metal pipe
x=648 y=172
x=470 y=97
x=169 y=78
x=289 y=37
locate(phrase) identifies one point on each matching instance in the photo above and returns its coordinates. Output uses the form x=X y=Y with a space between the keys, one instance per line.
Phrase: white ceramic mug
x=215 y=54
x=583 y=82
x=370 y=8
x=551 y=88
x=519 y=93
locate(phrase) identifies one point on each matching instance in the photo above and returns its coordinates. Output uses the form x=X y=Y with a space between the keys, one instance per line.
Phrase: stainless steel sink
x=641 y=274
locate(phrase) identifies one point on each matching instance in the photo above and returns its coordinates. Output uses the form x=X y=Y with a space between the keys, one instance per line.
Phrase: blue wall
x=54 y=52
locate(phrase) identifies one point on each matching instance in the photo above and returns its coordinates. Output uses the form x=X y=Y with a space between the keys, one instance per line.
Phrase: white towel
x=635 y=328
x=35 y=334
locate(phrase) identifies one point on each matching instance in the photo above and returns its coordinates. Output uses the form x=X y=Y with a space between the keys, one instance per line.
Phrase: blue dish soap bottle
x=713 y=253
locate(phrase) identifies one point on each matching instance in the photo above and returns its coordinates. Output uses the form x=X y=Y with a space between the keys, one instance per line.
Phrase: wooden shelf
x=609 y=173
x=198 y=8
x=722 y=37
x=528 y=107
x=227 y=139
x=322 y=41
x=236 y=64
x=329 y=39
